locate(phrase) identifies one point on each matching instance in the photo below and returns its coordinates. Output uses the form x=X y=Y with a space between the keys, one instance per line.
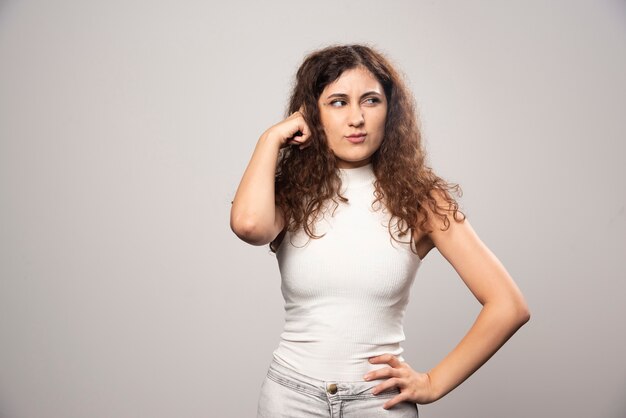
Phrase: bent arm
x=504 y=308
x=254 y=216
x=495 y=324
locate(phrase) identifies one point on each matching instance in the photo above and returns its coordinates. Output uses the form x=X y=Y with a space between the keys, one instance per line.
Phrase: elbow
x=524 y=314
x=244 y=231
x=521 y=312
x=248 y=232
x=515 y=311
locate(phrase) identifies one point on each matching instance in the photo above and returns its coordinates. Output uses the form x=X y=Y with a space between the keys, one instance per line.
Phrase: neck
x=357 y=176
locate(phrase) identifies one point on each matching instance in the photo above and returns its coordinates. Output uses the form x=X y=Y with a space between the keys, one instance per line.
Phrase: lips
x=356 y=138
x=357 y=134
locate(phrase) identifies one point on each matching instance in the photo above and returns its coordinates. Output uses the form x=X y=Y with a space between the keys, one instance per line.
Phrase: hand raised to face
x=291 y=131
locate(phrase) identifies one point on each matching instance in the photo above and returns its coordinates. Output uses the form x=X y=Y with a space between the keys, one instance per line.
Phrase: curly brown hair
x=307 y=178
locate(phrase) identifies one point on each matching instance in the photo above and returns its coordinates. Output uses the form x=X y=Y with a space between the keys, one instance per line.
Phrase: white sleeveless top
x=345 y=293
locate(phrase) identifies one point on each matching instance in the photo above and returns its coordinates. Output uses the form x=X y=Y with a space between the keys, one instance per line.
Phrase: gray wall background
x=125 y=128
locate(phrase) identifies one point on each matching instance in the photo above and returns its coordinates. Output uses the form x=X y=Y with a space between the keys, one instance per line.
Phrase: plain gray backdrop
x=125 y=128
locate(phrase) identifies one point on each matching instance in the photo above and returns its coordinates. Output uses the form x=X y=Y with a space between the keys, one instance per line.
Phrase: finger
x=387 y=384
x=304 y=138
x=301 y=144
x=386 y=358
x=302 y=126
x=380 y=373
x=300 y=134
x=300 y=111
x=301 y=130
x=304 y=129
x=396 y=400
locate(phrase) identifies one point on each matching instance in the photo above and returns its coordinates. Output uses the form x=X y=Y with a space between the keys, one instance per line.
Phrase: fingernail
x=366 y=377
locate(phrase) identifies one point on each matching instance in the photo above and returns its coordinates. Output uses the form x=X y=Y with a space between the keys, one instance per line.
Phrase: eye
x=372 y=100
x=334 y=103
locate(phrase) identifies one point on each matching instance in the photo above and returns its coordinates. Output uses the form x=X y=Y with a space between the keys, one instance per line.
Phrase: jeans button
x=332 y=388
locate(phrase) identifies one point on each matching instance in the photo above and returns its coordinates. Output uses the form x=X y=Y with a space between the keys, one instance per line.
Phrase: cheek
x=325 y=120
x=380 y=121
x=378 y=117
x=331 y=126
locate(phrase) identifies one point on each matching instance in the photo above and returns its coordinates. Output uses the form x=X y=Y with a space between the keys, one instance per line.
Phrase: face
x=354 y=104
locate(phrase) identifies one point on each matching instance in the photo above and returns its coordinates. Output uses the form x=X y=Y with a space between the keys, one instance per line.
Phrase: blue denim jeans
x=286 y=393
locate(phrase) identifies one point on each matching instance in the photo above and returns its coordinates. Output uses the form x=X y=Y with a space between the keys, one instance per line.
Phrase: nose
x=356 y=115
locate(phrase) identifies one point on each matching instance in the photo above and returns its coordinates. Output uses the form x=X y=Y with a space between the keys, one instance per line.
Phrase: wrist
x=435 y=391
x=269 y=138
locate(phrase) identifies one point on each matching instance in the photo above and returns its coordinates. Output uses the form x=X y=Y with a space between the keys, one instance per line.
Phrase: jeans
x=285 y=393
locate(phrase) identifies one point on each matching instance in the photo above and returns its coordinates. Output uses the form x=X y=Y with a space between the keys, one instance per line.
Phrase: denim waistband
x=358 y=389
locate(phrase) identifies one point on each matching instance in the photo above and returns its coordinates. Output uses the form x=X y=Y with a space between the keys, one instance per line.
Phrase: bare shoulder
x=436 y=223
x=476 y=264
x=446 y=229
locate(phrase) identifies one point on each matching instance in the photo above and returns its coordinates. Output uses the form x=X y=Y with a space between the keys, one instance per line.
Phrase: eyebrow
x=345 y=95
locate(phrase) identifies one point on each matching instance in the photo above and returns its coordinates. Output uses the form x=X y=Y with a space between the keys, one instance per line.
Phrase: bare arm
x=504 y=308
x=253 y=213
x=254 y=216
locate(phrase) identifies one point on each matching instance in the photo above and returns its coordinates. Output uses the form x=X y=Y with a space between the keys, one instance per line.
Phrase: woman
x=333 y=189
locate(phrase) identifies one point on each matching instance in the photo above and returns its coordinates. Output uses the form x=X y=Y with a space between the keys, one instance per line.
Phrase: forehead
x=354 y=79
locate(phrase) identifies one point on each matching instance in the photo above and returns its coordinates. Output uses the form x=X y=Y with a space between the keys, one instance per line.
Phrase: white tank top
x=345 y=293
